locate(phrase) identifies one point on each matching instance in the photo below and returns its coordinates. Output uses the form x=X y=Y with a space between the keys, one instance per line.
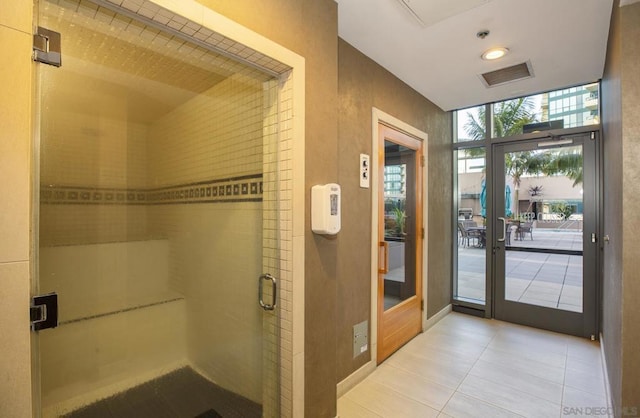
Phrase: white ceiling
x=436 y=51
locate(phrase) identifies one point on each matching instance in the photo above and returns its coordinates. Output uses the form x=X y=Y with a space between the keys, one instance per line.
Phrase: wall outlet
x=360 y=338
x=365 y=171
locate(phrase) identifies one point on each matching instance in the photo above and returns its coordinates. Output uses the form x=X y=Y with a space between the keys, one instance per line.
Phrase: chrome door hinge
x=47 y=47
x=594 y=237
x=593 y=135
x=43 y=312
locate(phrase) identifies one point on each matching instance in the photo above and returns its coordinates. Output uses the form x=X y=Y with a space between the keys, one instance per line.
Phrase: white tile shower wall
x=100 y=278
x=150 y=10
x=279 y=127
x=99 y=147
x=215 y=248
x=216 y=135
x=270 y=250
x=91 y=224
x=95 y=359
x=89 y=147
x=215 y=258
x=119 y=322
x=282 y=258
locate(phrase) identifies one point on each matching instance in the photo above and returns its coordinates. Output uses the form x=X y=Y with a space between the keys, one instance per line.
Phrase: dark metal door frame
x=583 y=324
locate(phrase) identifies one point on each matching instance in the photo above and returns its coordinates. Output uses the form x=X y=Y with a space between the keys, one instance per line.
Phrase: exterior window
x=474 y=134
x=470 y=124
x=567 y=108
x=471 y=202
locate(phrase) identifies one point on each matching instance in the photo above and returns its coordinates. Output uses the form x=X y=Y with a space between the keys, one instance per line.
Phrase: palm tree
x=518 y=164
x=566 y=161
x=509 y=118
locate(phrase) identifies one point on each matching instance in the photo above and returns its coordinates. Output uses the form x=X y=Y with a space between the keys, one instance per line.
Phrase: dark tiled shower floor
x=182 y=393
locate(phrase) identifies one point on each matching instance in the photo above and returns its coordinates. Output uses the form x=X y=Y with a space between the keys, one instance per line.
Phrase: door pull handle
x=274 y=292
x=385 y=257
x=504 y=229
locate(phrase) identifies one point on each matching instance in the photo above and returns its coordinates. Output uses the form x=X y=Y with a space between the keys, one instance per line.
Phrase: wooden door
x=400 y=238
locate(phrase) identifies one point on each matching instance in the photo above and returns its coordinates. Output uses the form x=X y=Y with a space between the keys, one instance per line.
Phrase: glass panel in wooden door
x=399 y=223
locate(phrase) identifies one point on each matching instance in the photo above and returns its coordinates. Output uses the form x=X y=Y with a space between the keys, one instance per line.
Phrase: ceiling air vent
x=508 y=74
x=430 y=12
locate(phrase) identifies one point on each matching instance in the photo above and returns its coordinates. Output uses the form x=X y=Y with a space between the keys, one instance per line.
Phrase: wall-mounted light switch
x=365 y=171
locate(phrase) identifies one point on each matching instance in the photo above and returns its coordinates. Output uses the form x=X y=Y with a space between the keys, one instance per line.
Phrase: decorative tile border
x=236 y=189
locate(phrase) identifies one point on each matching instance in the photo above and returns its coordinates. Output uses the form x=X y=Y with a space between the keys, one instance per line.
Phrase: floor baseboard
x=436 y=318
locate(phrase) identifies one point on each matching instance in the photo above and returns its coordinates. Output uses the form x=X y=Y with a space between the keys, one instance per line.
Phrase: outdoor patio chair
x=525 y=228
x=467 y=236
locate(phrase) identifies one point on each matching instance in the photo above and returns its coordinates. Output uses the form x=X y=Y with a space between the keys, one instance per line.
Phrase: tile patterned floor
x=181 y=393
x=471 y=367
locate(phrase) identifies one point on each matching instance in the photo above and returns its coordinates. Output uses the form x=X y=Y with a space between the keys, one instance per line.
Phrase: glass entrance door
x=151 y=224
x=544 y=241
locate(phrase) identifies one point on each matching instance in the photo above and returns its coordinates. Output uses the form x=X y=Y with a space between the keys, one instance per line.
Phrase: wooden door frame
x=380 y=117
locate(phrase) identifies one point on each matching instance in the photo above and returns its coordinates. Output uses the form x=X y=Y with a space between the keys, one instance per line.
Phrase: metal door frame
x=583 y=324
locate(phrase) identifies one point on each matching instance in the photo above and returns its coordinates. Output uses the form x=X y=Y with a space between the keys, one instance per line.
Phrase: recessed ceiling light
x=494 y=53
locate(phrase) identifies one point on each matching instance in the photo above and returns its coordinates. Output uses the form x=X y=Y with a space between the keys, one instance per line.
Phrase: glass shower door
x=152 y=228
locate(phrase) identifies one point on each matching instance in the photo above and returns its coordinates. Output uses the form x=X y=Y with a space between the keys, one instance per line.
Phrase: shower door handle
x=274 y=294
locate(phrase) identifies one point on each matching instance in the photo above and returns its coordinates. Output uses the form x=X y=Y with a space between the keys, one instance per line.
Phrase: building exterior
x=575 y=106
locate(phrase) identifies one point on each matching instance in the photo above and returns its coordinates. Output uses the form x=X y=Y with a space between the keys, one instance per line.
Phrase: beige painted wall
x=363 y=85
x=630 y=87
x=621 y=289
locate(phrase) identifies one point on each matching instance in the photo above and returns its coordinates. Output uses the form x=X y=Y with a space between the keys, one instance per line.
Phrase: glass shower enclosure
x=152 y=228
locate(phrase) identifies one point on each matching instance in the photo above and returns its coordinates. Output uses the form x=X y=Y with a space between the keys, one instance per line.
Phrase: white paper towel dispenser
x=325 y=209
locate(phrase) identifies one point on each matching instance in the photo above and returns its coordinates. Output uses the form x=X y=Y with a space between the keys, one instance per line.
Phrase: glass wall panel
x=471 y=225
x=152 y=228
x=470 y=124
x=567 y=108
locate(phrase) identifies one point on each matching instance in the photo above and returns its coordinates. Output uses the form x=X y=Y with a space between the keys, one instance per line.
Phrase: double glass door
x=544 y=233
